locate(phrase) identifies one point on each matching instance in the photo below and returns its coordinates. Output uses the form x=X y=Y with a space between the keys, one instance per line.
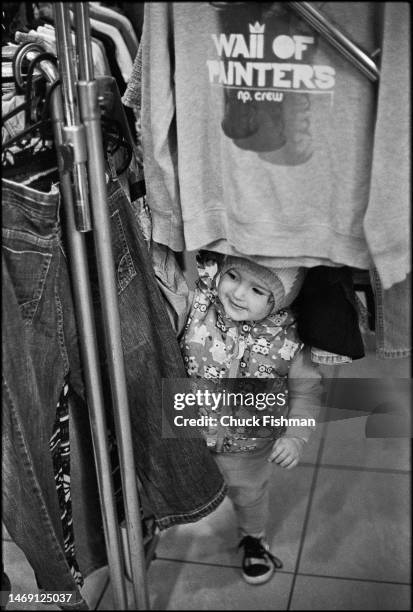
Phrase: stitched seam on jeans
x=378 y=292
x=123 y=277
x=30 y=238
x=395 y=354
x=195 y=515
x=60 y=331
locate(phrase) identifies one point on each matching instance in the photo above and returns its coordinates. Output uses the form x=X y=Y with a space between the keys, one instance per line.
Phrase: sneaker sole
x=258 y=579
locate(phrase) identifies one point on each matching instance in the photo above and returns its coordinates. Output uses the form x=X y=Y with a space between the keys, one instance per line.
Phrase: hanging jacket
x=327 y=312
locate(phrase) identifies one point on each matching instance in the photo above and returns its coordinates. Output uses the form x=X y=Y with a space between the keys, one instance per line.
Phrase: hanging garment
x=393 y=320
x=132 y=97
x=60 y=451
x=15 y=124
x=179 y=477
x=285 y=148
x=15 y=16
x=327 y=313
x=39 y=348
x=46 y=37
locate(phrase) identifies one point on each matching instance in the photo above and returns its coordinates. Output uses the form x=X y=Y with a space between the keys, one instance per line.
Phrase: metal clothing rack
x=338 y=39
x=78 y=140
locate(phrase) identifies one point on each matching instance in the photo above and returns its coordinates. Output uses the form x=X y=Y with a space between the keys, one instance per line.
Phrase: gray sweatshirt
x=261 y=139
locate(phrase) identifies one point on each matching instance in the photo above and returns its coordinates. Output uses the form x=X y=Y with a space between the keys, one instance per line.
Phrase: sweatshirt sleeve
x=158 y=123
x=172 y=284
x=387 y=217
x=132 y=98
x=304 y=390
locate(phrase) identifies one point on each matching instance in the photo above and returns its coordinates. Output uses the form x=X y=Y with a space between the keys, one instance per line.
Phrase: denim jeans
x=393 y=318
x=39 y=352
x=327 y=358
x=179 y=477
x=40 y=349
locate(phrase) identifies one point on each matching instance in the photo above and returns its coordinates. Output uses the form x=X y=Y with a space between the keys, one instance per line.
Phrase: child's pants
x=247 y=476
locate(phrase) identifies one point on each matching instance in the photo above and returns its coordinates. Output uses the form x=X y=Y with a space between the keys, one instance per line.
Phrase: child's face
x=243 y=297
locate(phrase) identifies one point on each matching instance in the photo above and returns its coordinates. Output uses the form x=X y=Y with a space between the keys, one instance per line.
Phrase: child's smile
x=243 y=297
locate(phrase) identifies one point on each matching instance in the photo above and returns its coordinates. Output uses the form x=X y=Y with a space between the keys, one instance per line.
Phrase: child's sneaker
x=258 y=564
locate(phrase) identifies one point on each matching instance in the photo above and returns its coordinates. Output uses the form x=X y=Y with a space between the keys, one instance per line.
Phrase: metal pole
x=337 y=38
x=87 y=339
x=92 y=376
x=73 y=129
x=90 y=114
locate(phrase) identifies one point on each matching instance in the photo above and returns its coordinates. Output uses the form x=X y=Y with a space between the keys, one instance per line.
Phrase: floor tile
x=289 y=499
x=346 y=444
x=312 y=593
x=21 y=577
x=214 y=539
x=359 y=526
x=190 y=586
x=311 y=449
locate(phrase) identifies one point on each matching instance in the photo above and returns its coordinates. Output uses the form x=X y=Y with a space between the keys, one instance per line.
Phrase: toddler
x=238 y=326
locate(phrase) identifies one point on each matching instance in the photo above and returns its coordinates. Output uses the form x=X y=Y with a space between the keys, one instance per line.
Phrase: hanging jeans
x=393 y=318
x=179 y=477
x=39 y=350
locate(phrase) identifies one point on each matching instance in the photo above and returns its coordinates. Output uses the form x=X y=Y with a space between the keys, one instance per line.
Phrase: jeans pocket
x=124 y=267
x=28 y=271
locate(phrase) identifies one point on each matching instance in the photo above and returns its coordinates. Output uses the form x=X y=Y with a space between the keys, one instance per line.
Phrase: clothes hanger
x=17 y=63
x=37 y=136
x=113 y=119
x=113 y=140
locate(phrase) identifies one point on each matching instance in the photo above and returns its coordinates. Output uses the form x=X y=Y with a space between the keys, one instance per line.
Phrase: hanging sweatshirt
x=262 y=138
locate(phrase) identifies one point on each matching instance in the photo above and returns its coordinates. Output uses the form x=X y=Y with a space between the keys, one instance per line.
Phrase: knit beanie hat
x=284 y=283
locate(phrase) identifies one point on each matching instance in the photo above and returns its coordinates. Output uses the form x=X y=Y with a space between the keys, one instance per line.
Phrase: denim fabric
x=326 y=358
x=179 y=477
x=39 y=351
x=393 y=318
x=15 y=124
x=87 y=523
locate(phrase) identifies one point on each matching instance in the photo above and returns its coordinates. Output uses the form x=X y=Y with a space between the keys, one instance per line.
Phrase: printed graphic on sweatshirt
x=265 y=67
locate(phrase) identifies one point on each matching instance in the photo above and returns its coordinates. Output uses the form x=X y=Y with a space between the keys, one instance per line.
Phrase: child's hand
x=287 y=452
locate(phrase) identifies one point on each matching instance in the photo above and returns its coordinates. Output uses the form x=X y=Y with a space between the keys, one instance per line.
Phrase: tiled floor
x=340 y=523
